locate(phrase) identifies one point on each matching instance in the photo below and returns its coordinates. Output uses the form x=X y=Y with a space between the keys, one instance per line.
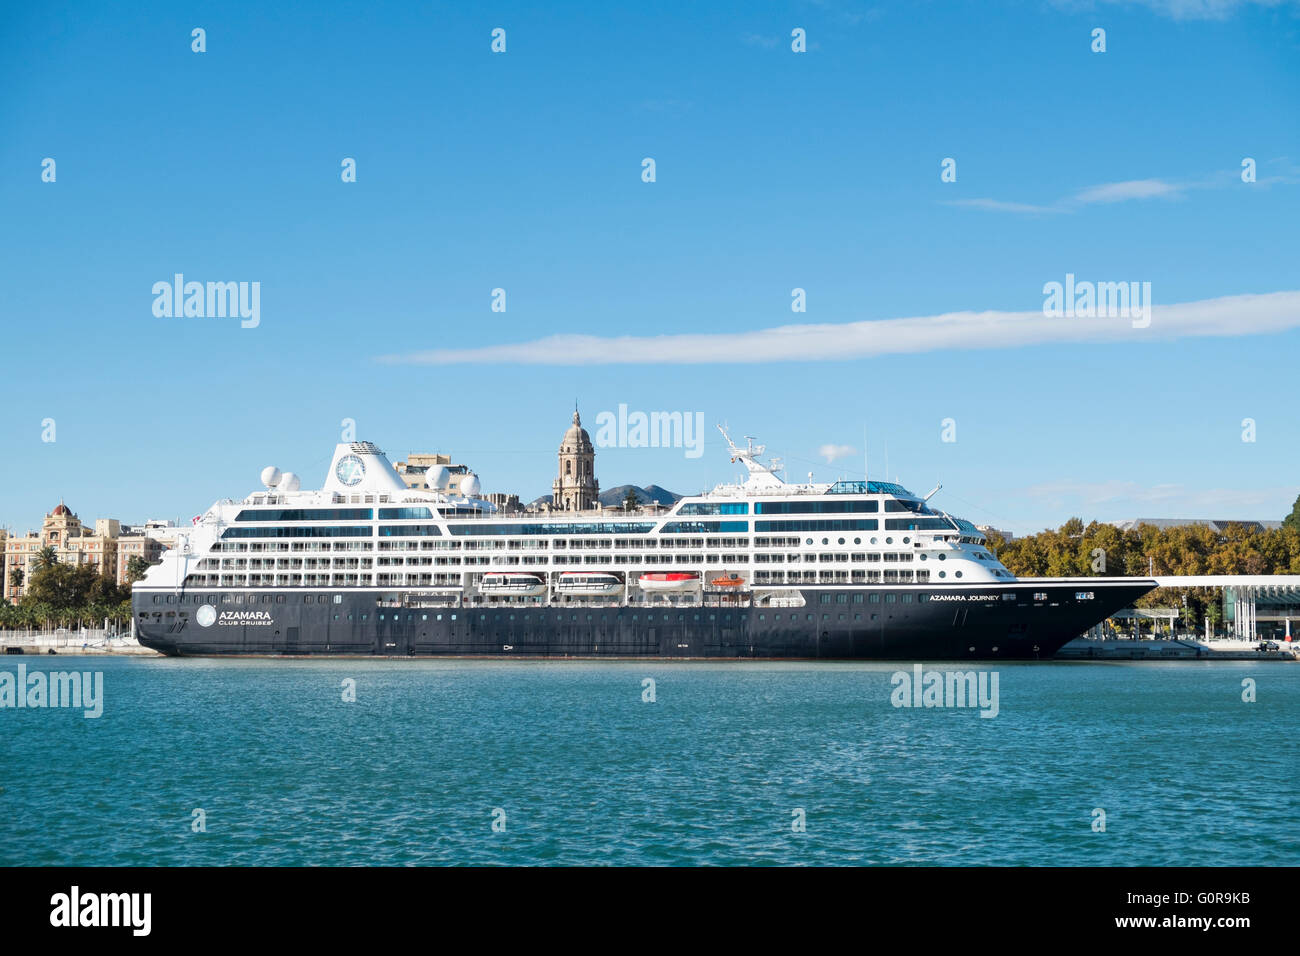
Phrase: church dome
x=63 y=509
x=576 y=435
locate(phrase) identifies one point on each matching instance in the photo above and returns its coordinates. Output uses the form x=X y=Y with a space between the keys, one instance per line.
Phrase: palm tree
x=46 y=558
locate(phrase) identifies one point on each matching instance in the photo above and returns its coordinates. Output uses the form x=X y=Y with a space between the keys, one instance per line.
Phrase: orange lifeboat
x=728 y=581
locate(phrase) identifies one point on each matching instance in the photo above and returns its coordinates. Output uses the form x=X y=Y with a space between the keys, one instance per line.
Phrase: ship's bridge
x=868 y=488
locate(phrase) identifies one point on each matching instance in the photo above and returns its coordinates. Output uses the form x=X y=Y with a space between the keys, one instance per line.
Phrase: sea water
x=361 y=761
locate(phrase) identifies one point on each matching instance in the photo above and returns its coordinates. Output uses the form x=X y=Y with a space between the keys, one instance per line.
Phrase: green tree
x=61 y=586
x=1191 y=549
x=1292 y=521
x=630 y=501
x=16 y=576
x=46 y=558
x=136 y=567
x=104 y=590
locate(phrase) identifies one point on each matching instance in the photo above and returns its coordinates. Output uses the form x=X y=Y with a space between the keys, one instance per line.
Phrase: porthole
x=873 y=540
x=943 y=557
x=826 y=541
x=857 y=540
x=889 y=541
x=809 y=541
x=907 y=541
x=922 y=557
x=943 y=574
x=956 y=574
x=841 y=540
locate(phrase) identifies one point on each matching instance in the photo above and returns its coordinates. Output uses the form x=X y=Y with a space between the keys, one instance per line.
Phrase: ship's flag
x=196 y=519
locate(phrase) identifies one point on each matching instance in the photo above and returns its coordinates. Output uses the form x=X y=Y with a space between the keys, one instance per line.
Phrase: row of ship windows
x=799 y=507
x=296 y=564
x=332 y=514
x=690 y=509
x=454 y=579
x=877 y=598
x=672 y=527
x=254 y=599
x=573 y=618
x=601 y=544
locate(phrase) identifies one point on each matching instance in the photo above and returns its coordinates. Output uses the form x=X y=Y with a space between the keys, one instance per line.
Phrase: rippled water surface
x=711 y=772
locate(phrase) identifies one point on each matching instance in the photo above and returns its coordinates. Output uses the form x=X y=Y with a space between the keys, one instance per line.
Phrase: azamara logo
x=244 y=617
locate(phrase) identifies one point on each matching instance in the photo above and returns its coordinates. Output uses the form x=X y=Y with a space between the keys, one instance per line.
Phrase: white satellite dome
x=271 y=476
x=437 y=477
x=469 y=485
x=290 y=482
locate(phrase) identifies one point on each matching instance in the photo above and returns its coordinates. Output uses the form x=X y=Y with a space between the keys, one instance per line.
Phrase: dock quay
x=1175 y=649
x=73 y=641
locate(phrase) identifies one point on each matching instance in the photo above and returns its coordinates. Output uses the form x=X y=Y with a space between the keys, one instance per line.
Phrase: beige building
x=414 y=471
x=575 y=487
x=106 y=546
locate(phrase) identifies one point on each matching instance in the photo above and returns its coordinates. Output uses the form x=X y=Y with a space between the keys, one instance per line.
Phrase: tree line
x=1102 y=550
x=69 y=595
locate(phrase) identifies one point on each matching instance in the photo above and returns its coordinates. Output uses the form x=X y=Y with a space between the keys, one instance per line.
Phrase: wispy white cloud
x=1104 y=193
x=1201 y=9
x=754 y=39
x=1130 y=189
x=832 y=452
x=1228 y=316
x=1104 y=492
x=1167 y=500
x=997 y=205
x=1180 y=9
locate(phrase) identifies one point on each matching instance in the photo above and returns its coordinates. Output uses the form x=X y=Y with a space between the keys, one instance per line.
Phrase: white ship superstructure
x=364 y=529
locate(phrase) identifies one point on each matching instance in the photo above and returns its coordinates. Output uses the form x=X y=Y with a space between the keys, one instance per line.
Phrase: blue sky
x=774 y=170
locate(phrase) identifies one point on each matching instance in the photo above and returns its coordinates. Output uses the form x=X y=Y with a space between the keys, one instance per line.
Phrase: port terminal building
x=1263 y=606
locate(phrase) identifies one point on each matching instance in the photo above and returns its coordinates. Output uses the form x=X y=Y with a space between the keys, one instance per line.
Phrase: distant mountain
x=614 y=497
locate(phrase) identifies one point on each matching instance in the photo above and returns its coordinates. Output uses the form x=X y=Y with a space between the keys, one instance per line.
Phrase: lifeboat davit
x=512 y=584
x=588 y=583
x=668 y=580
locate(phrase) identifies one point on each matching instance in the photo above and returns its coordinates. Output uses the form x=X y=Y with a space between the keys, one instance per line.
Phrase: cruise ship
x=757 y=568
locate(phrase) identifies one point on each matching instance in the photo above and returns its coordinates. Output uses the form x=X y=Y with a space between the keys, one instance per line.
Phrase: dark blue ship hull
x=1026 y=619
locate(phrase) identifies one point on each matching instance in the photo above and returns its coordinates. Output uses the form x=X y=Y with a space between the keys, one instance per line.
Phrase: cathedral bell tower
x=575 y=488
